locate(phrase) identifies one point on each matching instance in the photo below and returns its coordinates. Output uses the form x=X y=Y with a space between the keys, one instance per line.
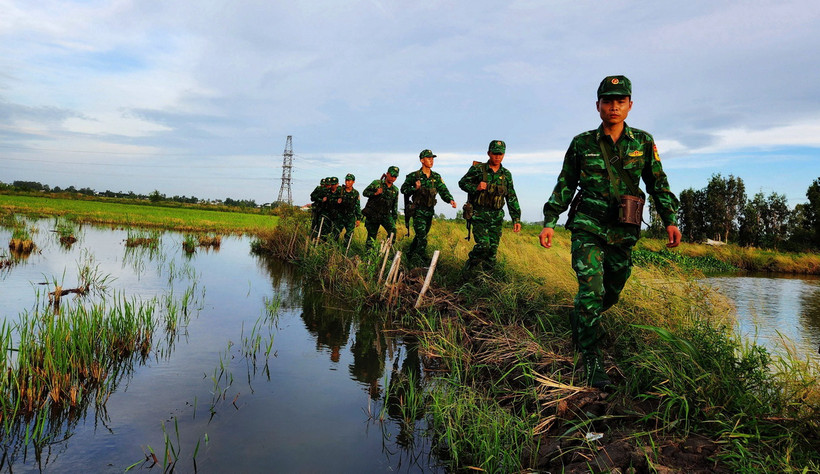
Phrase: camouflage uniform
x=333 y=210
x=385 y=207
x=488 y=211
x=350 y=210
x=317 y=207
x=424 y=202
x=602 y=247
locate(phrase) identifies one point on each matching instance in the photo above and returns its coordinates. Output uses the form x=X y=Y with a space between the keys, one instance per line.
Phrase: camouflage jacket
x=495 y=180
x=390 y=195
x=316 y=197
x=597 y=209
x=429 y=187
x=350 y=206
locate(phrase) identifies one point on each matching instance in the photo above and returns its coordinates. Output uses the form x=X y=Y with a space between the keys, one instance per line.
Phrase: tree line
x=155 y=196
x=722 y=212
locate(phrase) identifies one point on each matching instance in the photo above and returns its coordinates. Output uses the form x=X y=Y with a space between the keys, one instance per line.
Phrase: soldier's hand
x=378 y=191
x=546 y=237
x=339 y=201
x=357 y=223
x=674 y=236
x=481 y=186
x=324 y=199
x=418 y=184
x=453 y=203
x=517 y=227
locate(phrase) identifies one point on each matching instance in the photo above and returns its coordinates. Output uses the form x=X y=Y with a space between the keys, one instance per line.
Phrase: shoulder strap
x=633 y=188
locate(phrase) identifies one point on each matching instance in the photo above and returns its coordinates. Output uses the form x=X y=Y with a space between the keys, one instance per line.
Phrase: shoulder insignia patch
x=655 y=149
x=636 y=153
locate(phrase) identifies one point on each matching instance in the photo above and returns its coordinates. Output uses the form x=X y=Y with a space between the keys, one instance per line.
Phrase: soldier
x=333 y=209
x=317 y=199
x=423 y=184
x=350 y=214
x=607 y=165
x=487 y=186
x=382 y=208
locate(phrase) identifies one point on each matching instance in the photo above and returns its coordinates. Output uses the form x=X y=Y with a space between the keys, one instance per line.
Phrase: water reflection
x=772 y=308
x=255 y=378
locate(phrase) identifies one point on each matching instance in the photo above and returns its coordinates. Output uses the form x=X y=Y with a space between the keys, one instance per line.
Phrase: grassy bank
x=743 y=258
x=691 y=396
x=115 y=213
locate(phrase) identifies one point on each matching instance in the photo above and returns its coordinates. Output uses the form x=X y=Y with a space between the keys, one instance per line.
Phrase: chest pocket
x=425 y=197
x=493 y=196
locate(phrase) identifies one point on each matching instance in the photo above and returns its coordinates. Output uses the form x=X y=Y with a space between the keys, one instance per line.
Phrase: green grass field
x=101 y=212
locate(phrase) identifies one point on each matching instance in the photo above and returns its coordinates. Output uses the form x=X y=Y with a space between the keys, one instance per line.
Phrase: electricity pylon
x=287 y=164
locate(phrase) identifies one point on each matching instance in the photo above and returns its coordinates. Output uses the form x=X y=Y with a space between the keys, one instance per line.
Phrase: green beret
x=393 y=171
x=350 y=177
x=333 y=180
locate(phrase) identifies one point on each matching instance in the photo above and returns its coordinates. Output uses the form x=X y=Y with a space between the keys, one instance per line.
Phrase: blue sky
x=197 y=98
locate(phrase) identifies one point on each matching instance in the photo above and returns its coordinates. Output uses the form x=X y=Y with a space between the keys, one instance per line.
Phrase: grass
x=104 y=212
x=500 y=344
x=59 y=360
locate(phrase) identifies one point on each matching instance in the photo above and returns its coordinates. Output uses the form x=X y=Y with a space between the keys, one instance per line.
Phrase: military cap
x=323 y=182
x=393 y=171
x=615 y=85
x=497 y=147
x=350 y=177
x=333 y=180
x=426 y=154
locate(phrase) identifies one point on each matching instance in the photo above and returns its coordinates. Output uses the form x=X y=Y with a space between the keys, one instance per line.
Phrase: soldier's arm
x=512 y=201
x=443 y=191
x=370 y=190
x=357 y=207
x=657 y=185
x=409 y=185
x=565 y=187
x=469 y=181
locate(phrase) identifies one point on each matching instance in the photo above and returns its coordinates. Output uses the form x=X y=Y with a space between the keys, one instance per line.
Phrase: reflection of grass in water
x=143 y=238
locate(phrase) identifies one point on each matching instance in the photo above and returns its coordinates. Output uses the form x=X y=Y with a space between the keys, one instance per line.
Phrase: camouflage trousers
x=422 y=221
x=602 y=270
x=345 y=223
x=372 y=226
x=486 y=226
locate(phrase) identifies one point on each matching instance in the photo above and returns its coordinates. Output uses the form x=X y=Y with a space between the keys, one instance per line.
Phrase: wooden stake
x=384 y=263
x=394 y=268
x=428 y=278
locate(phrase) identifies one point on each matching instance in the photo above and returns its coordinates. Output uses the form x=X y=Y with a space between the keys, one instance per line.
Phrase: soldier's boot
x=594 y=372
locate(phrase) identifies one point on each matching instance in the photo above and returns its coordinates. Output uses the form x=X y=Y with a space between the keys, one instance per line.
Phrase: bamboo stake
x=321 y=223
x=428 y=278
x=384 y=263
x=394 y=267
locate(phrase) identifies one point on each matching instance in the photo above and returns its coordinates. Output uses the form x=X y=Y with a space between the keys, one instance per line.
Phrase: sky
x=198 y=97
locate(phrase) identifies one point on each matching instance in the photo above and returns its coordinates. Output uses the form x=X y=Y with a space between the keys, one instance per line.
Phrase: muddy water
x=315 y=404
x=777 y=310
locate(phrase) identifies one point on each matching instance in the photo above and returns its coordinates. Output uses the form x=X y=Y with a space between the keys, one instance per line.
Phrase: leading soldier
x=423 y=184
x=488 y=185
x=605 y=219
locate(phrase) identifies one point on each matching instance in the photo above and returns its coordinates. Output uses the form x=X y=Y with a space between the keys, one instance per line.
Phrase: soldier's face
x=495 y=158
x=390 y=179
x=334 y=187
x=427 y=162
x=348 y=183
x=614 y=109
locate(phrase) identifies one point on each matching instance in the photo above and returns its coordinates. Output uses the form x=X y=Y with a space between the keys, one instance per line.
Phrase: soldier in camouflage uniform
x=382 y=208
x=423 y=184
x=601 y=244
x=317 y=199
x=487 y=186
x=333 y=210
x=350 y=211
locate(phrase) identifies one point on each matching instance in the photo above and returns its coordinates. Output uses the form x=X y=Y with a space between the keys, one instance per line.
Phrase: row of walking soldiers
x=488 y=186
